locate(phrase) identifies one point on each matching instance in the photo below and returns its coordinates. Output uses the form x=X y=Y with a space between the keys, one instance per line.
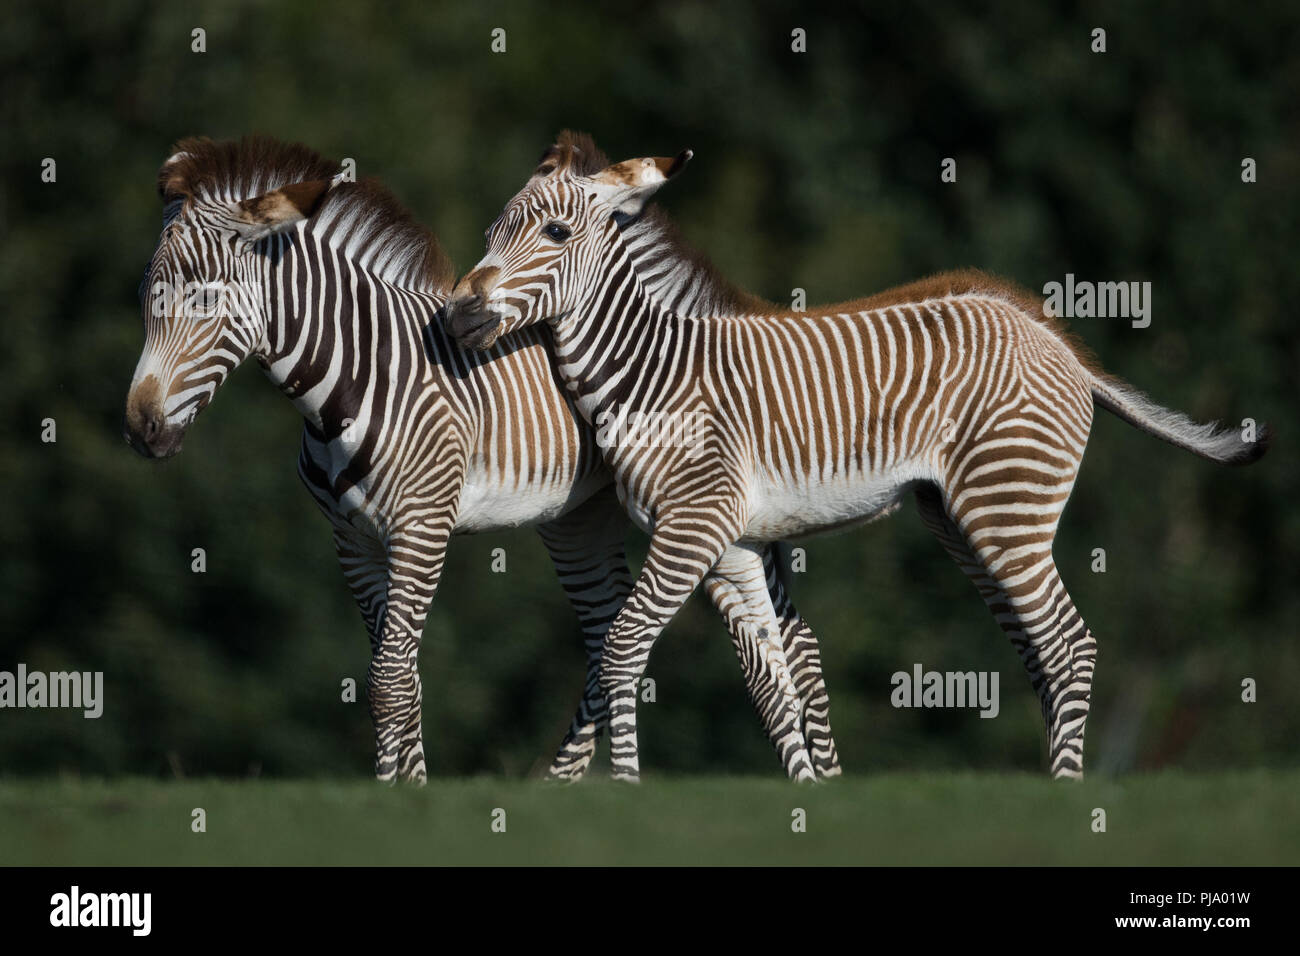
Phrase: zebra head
x=200 y=298
x=546 y=250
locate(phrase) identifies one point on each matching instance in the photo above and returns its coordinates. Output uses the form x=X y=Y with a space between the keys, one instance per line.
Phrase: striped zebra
x=267 y=252
x=682 y=279
x=956 y=388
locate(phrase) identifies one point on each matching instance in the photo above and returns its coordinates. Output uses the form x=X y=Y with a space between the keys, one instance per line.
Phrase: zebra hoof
x=805 y=776
x=562 y=777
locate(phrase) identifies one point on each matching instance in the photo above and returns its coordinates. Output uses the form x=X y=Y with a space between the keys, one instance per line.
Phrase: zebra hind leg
x=587 y=547
x=737 y=586
x=580 y=742
x=1029 y=601
x=803 y=656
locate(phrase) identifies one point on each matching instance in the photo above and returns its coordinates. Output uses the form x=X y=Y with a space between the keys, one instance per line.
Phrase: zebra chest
x=322 y=466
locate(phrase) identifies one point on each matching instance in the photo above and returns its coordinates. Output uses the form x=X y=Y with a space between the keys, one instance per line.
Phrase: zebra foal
x=956 y=389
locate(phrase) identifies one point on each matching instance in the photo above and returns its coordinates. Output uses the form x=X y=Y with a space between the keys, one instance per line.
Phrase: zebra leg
x=803 y=657
x=1025 y=593
x=365 y=565
x=394 y=586
x=587 y=547
x=683 y=549
x=738 y=587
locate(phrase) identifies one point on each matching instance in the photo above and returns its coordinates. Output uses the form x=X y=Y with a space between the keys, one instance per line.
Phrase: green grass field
x=1167 y=818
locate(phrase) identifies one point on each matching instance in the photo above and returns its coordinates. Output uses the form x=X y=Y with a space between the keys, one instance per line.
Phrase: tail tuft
x=1227 y=446
x=1258 y=448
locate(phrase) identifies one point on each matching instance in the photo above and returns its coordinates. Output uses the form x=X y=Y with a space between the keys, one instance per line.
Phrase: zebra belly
x=778 y=510
x=492 y=505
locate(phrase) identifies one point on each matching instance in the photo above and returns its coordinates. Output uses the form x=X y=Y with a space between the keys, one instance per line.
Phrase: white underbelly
x=487 y=505
x=487 y=508
x=815 y=506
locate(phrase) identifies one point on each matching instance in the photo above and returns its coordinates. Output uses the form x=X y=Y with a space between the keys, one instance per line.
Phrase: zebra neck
x=336 y=331
x=678 y=277
x=613 y=349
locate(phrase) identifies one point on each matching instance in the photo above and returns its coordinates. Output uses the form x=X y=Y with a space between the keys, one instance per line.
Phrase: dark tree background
x=817 y=170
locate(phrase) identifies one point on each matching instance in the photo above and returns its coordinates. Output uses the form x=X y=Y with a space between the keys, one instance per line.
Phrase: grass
x=1166 y=818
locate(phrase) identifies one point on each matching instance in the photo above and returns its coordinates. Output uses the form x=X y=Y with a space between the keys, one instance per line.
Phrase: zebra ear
x=279 y=209
x=171 y=184
x=628 y=186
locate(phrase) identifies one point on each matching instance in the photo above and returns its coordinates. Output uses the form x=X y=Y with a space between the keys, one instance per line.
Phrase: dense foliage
x=816 y=170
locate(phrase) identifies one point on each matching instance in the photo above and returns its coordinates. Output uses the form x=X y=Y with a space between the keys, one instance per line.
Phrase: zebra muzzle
x=147 y=430
x=470 y=323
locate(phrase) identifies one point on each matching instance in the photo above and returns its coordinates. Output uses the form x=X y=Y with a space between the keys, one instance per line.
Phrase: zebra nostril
x=152 y=425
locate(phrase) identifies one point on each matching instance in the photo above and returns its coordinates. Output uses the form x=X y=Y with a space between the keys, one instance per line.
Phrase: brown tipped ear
x=628 y=186
x=279 y=209
x=283 y=206
x=644 y=172
x=677 y=163
x=172 y=179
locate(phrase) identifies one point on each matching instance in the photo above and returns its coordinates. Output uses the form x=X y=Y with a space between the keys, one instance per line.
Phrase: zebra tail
x=1227 y=446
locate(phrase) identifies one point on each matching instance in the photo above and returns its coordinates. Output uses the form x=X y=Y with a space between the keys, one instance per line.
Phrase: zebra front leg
x=803 y=656
x=587 y=547
x=393 y=682
x=366 y=568
x=393 y=679
x=683 y=548
x=738 y=587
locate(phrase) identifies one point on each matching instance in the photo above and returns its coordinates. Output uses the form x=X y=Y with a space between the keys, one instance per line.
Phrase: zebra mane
x=576 y=154
x=363 y=217
x=659 y=247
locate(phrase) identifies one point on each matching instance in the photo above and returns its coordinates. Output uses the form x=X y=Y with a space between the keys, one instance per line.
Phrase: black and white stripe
x=407 y=440
x=956 y=389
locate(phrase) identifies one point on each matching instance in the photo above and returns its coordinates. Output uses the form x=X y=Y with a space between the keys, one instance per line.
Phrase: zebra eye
x=204 y=300
x=557 y=231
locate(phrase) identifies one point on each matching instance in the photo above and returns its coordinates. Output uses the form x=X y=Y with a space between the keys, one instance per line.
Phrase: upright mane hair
x=576 y=154
x=363 y=217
